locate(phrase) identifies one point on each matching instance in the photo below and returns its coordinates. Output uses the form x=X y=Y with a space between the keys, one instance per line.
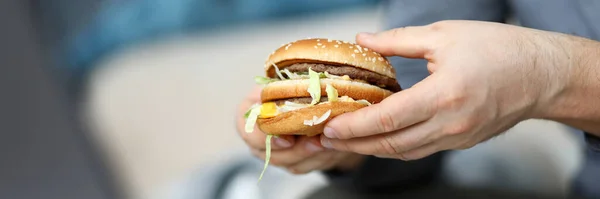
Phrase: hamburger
x=308 y=82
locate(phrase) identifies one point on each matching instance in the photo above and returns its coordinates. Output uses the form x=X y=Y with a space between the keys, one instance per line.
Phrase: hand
x=485 y=78
x=298 y=154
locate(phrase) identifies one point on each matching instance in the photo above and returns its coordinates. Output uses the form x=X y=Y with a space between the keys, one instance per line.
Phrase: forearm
x=578 y=104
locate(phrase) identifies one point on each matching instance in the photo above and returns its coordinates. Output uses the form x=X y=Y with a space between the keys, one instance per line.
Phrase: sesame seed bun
x=292 y=123
x=362 y=63
x=327 y=51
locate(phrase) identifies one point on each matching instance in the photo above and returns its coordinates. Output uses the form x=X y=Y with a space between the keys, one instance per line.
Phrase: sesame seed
x=339 y=42
x=380 y=59
x=373 y=60
x=318 y=44
x=345 y=42
x=328 y=40
x=316 y=47
x=323 y=46
x=359 y=48
x=364 y=54
x=350 y=46
x=318 y=40
x=355 y=51
x=366 y=59
x=353 y=55
x=336 y=46
x=366 y=49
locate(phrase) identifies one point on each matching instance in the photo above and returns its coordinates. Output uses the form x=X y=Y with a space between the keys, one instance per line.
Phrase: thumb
x=410 y=42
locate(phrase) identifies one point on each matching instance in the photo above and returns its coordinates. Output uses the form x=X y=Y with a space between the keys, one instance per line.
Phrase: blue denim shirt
x=577 y=17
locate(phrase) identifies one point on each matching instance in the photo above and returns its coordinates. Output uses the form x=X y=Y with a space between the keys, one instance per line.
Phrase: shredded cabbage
x=332 y=94
x=291 y=106
x=290 y=75
x=319 y=120
x=277 y=71
x=314 y=87
x=250 y=109
x=251 y=119
x=345 y=98
x=263 y=80
x=267 y=156
x=365 y=102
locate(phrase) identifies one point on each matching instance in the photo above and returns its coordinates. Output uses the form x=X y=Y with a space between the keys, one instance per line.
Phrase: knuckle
x=397 y=32
x=453 y=100
x=459 y=128
x=401 y=156
x=385 y=122
x=277 y=162
x=438 y=26
x=296 y=171
x=387 y=146
x=467 y=145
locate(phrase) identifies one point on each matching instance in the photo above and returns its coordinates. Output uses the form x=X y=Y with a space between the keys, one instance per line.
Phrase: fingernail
x=282 y=142
x=329 y=132
x=313 y=147
x=326 y=143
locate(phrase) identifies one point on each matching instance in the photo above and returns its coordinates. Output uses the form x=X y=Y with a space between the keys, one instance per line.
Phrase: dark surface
x=43 y=152
x=432 y=192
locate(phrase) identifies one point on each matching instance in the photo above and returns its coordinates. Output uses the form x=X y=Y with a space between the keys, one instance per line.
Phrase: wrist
x=576 y=100
x=553 y=65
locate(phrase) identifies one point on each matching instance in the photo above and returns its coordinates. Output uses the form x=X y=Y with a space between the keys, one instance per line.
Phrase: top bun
x=327 y=51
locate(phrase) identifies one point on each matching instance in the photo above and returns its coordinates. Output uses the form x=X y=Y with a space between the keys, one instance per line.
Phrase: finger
x=312 y=163
x=257 y=140
x=398 y=111
x=421 y=152
x=411 y=42
x=389 y=143
x=303 y=149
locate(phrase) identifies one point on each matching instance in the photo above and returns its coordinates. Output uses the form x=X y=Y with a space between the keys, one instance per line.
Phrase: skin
x=298 y=154
x=485 y=78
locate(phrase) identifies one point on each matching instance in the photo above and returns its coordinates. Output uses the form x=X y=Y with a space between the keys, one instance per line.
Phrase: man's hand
x=485 y=78
x=298 y=154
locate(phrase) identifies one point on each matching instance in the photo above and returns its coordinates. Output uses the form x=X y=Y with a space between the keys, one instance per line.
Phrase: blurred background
x=155 y=83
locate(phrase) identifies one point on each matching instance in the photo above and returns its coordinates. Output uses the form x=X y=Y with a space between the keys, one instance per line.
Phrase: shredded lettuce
x=267 y=156
x=277 y=71
x=345 y=98
x=250 y=109
x=291 y=106
x=251 y=119
x=365 y=102
x=323 y=75
x=314 y=87
x=289 y=74
x=332 y=94
x=263 y=80
x=317 y=120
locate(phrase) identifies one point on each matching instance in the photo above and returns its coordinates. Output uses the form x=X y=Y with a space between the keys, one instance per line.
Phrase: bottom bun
x=292 y=123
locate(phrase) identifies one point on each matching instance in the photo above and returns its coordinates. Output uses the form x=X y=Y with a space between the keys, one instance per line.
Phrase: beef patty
x=353 y=72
